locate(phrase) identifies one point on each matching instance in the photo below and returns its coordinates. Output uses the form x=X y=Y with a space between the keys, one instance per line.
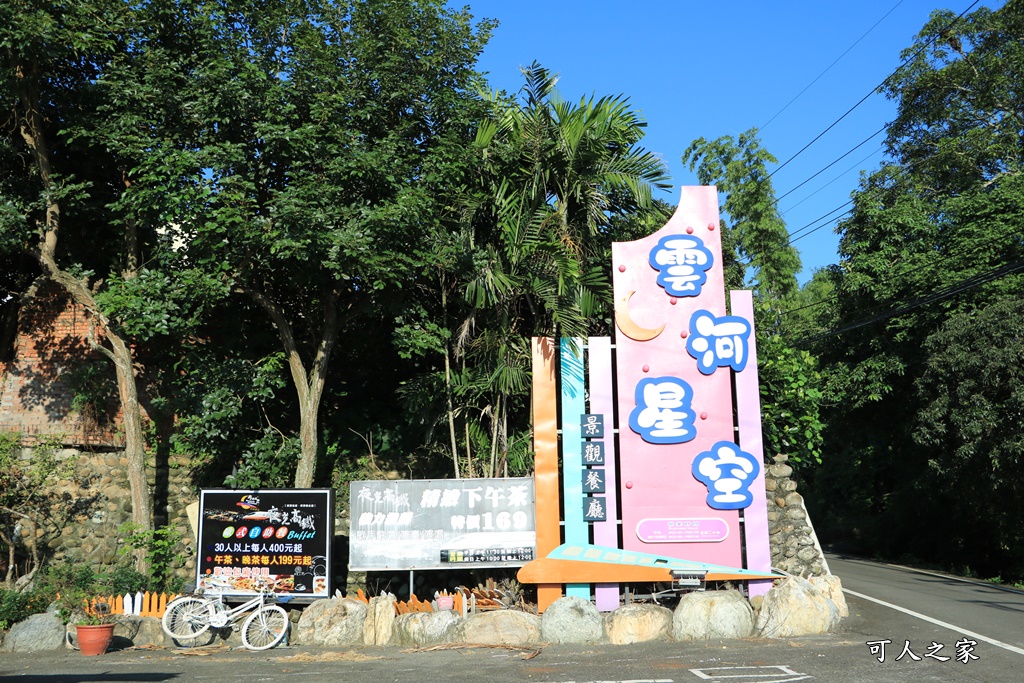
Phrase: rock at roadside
x=571 y=620
x=421 y=629
x=38 y=633
x=500 y=627
x=380 y=618
x=150 y=633
x=831 y=586
x=712 y=614
x=796 y=608
x=332 y=623
x=638 y=624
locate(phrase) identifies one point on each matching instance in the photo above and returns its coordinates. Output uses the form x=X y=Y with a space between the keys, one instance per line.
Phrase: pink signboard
x=683 y=530
x=676 y=348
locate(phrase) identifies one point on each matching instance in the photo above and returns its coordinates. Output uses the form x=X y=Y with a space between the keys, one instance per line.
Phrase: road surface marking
x=951 y=627
x=750 y=673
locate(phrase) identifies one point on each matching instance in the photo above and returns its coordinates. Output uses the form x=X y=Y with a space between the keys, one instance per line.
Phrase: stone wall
x=794 y=546
x=88 y=508
x=38 y=386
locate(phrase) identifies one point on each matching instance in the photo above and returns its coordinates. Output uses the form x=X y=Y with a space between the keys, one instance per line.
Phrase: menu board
x=279 y=539
x=442 y=523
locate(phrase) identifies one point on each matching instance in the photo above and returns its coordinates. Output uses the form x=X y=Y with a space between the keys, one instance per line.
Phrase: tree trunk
x=448 y=383
x=451 y=409
x=32 y=131
x=134 y=441
x=309 y=411
x=309 y=386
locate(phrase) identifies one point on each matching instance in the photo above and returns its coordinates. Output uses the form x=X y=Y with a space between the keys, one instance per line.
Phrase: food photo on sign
x=274 y=540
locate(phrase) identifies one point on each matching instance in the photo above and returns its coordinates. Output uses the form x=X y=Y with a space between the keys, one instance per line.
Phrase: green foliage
x=972 y=406
x=556 y=179
x=125 y=580
x=74 y=584
x=163 y=549
x=738 y=167
x=268 y=462
x=32 y=507
x=18 y=605
x=920 y=379
x=791 y=397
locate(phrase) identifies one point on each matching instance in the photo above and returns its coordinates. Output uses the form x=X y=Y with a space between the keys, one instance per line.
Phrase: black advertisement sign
x=279 y=538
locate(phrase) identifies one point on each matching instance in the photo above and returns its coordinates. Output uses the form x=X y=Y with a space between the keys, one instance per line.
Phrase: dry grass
x=349 y=656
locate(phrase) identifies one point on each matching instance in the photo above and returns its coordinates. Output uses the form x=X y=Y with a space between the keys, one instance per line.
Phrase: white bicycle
x=190 y=616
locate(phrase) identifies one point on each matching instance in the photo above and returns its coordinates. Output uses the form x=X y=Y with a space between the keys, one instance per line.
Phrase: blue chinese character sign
x=592 y=452
x=592 y=426
x=594 y=509
x=718 y=342
x=663 y=413
x=728 y=473
x=593 y=481
x=682 y=262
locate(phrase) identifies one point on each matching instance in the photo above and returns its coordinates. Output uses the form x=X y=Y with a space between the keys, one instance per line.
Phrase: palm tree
x=555 y=175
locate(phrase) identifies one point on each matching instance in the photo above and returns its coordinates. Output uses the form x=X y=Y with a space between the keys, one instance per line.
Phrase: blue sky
x=712 y=69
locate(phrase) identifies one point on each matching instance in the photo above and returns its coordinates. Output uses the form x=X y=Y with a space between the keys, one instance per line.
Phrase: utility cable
x=876 y=88
x=848 y=153
x=939 y=295
x=829 y=67
x=855 y=165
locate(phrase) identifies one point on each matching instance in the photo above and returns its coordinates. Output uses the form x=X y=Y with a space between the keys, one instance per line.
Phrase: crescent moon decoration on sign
x=626 y=324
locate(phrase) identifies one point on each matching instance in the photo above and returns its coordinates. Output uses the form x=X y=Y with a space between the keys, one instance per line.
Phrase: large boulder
x=712 y=614
x=500 y=627
x=332 y=623
x=571 y=620
x=831 y=586
x=795 y=608
x=638 y=624
x=150 y=633
x=380 y=618
x=421 y=629
x=38 y=633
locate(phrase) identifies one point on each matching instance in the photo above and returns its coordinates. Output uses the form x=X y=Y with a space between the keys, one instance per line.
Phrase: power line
x=939 y=295
x=793 y=236
x=848 y=153
x=875 y=89
x=855 y=165
x=829 y=67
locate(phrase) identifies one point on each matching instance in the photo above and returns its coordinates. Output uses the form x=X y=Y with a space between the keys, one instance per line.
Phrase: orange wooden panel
x=545 y=461
x=546 y=568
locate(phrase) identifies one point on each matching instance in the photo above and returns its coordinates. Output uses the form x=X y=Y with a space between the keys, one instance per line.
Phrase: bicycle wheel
x=265 y=628
x=187 y=617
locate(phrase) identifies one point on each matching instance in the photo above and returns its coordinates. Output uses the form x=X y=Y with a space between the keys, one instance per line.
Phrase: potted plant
x=96 y=629
x=77 y=589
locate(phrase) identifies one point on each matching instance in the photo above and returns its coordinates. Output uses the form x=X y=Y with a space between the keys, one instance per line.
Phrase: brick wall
x=37 y=386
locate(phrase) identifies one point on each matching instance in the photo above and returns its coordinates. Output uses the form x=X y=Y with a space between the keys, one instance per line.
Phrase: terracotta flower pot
x=94 y=640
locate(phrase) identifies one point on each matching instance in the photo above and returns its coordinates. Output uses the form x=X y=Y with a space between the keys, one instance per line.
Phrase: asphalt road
x=932 y=609
x=979 y=609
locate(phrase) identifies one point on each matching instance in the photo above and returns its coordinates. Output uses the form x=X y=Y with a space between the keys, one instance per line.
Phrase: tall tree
x=933 y=241
x=58 y=201
x=303 y=147
x=556 y=176
x=738 y=167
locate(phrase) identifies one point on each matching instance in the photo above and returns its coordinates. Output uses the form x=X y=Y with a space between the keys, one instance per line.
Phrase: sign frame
x=295 y=520
x=407 y=525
